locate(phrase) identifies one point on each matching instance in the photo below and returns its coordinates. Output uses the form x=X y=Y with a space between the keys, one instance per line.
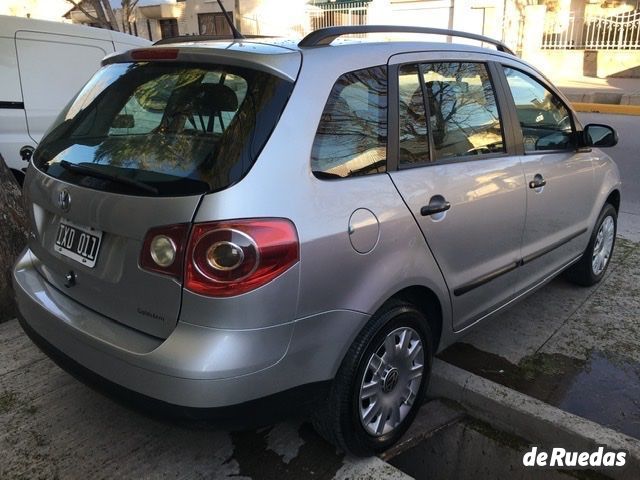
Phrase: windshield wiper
x=91 y=171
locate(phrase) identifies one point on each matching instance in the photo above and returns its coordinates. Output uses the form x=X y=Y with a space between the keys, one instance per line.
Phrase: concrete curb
x=606 y=108
x=371 y=468
x=530 y=418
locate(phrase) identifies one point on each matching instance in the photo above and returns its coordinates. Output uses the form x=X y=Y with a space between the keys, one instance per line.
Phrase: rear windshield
x=164 y=129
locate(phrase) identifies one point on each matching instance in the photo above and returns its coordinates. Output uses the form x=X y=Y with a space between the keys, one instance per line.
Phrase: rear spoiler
x=285 y=65
x=204 y=38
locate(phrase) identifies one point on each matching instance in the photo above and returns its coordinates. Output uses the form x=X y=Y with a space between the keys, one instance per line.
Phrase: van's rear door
x=53 y=68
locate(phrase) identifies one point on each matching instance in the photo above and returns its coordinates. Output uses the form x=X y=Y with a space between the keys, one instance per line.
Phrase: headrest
x=214 y=97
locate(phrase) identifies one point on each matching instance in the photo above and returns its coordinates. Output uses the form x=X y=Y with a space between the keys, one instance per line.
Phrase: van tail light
x=163 y=249
x=229 y=258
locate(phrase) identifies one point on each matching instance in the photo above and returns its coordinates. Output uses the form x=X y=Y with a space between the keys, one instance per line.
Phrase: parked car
x=44 y=65
x=218 y=223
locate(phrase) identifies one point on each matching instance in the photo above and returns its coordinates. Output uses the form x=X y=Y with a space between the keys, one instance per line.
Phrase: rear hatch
x=137 y=149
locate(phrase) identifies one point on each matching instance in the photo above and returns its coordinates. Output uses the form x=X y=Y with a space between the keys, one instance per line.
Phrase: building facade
x=595 y=37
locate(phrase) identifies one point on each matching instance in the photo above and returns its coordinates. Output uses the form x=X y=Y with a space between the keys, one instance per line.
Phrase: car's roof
x=284 y=56
x=280 y=45
x=347 y=51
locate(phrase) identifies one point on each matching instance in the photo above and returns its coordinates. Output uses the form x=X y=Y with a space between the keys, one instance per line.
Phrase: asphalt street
x=627 y=156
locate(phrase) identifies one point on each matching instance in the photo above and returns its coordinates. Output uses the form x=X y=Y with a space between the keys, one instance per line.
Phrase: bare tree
x=99 y=11
x=128 y=14
x=13 y=237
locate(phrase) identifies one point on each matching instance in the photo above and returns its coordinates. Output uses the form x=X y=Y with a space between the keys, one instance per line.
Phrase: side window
x=463 y=114
x=414 y=135
x=544 y=119
x=352 y=135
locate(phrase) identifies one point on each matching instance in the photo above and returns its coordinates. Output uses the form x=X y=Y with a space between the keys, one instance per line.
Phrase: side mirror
x=601 y=136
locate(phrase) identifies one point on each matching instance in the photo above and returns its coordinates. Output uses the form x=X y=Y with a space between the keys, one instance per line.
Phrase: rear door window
x=463 y=114
x=352 y=136
x=164 y=129
x=447 y=110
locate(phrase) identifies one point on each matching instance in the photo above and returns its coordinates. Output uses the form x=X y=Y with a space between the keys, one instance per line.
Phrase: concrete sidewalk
x=52 y=426
x=611 y=91
x=574 y=348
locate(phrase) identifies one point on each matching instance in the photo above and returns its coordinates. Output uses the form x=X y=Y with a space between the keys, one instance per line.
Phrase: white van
x=43 y=65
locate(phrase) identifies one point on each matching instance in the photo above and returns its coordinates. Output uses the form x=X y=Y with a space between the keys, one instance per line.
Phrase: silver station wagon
x=253 y=224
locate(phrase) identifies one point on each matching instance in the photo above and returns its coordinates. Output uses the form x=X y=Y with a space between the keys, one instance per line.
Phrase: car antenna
x=234 y=30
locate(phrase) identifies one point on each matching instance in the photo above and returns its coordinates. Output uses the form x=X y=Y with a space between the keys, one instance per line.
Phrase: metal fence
x=314 y=17
x=338 y=14
x=616 y=32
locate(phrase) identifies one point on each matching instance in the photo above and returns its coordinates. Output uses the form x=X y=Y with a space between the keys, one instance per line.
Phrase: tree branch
x=110 y=15
x=81 y=8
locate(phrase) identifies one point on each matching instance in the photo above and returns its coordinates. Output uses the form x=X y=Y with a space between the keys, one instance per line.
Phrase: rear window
x=164 y=129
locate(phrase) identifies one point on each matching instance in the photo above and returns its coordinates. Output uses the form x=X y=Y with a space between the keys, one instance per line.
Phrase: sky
x=42 y=9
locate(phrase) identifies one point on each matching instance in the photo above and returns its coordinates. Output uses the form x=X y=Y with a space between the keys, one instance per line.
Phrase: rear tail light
x=222 y=259
x=163 y=249
x=230 y=258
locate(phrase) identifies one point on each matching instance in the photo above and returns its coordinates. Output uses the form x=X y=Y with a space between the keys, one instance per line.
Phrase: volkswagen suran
x=221 y=223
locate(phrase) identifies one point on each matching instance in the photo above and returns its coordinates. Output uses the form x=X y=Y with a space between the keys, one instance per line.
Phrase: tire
x=340 y=419
x=587 y=271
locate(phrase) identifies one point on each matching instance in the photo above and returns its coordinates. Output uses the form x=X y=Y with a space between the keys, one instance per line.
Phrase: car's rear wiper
x=89 y=170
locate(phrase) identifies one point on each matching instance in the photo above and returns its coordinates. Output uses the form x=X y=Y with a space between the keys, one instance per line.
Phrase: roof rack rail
x=324 y=36
x=203 y=38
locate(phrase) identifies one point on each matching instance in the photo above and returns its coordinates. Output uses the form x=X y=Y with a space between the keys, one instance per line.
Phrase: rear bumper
x=195 y=367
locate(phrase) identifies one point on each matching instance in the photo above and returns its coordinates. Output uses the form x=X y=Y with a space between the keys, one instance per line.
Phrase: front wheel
x=381 y=383
x=591 y=268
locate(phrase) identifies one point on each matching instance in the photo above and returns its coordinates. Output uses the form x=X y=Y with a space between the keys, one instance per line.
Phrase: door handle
x=537 y=182
x=437 y=204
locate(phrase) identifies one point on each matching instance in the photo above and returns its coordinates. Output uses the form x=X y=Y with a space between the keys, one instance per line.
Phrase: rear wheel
x=381 y=383
x=595 y=260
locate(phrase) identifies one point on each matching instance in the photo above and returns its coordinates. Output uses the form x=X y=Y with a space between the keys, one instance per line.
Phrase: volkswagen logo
x=64 y=200
x=390 y=380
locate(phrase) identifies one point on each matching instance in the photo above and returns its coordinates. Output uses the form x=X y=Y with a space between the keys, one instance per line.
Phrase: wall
x=41 y=9
x=618 y=63
x=273 y=17
x=435 y=13
x=605 y=63
x=188 y=22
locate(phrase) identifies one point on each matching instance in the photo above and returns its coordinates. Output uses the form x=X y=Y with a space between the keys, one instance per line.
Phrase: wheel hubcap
x=391 y=381
x=603 y=246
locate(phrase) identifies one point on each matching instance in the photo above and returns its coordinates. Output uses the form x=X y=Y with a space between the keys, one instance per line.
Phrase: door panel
x=467 y=195
x=477 y=242
x=557 y=223
x=558 y=209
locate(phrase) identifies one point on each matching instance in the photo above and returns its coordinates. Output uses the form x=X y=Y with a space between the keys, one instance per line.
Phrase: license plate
x=77 y=242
